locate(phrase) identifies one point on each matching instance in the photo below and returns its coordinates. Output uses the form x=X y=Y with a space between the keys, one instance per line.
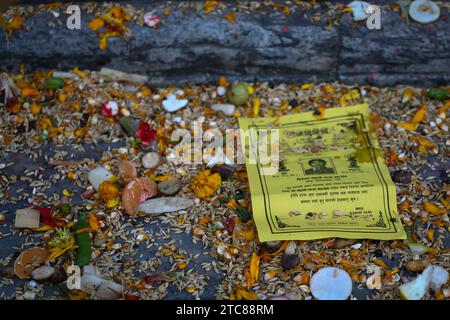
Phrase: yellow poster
x=331 y=178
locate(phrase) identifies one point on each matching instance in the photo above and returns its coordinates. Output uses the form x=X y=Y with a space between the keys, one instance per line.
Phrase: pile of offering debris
x=89 y=179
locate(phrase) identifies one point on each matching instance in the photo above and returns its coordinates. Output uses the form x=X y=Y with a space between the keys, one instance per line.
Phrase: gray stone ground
x=11 y=245
x=191 y=47
x=195 y=47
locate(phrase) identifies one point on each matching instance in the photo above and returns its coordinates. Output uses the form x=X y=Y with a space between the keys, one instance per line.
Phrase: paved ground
x=263 y=45
x=10 y=245
x=192 y=47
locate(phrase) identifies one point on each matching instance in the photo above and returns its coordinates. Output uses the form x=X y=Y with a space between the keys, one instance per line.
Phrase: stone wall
x=192 y=47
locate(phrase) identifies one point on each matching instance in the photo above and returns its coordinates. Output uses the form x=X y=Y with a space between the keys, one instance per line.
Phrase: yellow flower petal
x=230 y=17
x=256 y=105
x=254 y=270
x=43 y=228
x=419 y=116
x=67 y=193
x=210 y=5
x=94 y=223
x=350 y=97
x=96 y=24
x=433 y=209
x=205 y=184
x=307 y=86
x=407 y=125
x=62 y=97
x=240 y=293
x=35 y=109
x=112 y=203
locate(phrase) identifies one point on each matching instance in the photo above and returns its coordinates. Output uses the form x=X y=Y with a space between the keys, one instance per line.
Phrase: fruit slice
x=29 y=260
x=137 y=191
x=99 y=174
x=424 y=11
x=418 y=248
x=127 y=170
x=331 y=284
x=416 y=289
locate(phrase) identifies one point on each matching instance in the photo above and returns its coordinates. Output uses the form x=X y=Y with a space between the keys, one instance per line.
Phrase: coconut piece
x=89 y=283
x=109 y=290
x=98 y=175
x=93 y=284
x=136 y=191
x=28 y=260
x=151 y=160
x=42 y=273
x=417 y=248
x=169 y=187
x=227 y=108
x=360 y=10
x=166 y=204
x=439 y=277
x=331 y=283
x=172 y=104
x=27 y=218
x=416 y=289
x=291 y=248
x=424 y=11
x=127 y=170
x=119 y=76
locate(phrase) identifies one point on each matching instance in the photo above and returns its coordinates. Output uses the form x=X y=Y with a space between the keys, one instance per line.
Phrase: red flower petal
x=46 y=215
x=146 y=133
